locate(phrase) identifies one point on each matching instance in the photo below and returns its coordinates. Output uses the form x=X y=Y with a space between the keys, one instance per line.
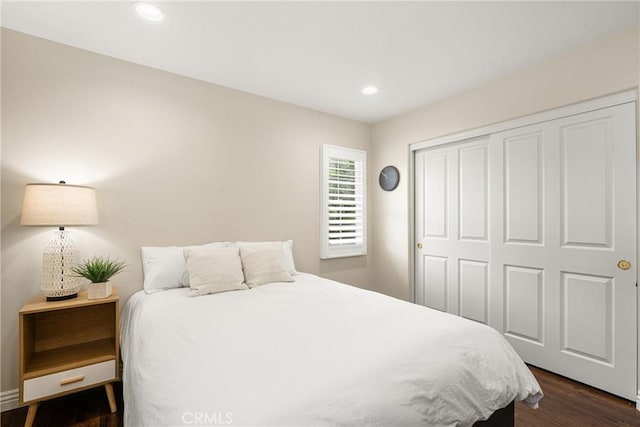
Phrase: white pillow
x=164 y=267
x=213 y=270
x=264 y=264
x=287 y=249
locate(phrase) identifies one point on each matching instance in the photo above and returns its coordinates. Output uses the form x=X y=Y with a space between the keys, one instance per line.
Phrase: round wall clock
x=389 y=178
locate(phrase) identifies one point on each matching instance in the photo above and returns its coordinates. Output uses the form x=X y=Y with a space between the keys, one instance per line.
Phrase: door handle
x=623 y=264
x=419 y=245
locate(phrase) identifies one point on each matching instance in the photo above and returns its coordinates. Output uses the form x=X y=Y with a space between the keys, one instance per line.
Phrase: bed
x=311 y=352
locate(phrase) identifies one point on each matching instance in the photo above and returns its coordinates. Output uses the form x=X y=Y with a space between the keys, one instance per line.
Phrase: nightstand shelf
x=61 y=359
x=67 y=346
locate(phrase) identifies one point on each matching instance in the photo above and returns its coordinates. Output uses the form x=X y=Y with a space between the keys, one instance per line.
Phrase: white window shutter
x=343 y=204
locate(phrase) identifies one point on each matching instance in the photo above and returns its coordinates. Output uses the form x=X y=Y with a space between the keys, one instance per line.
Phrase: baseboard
x=8 y=400
x=638 y=401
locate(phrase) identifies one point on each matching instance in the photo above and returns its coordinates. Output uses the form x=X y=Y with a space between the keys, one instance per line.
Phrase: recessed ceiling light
x=370 y=90
x=148 y=11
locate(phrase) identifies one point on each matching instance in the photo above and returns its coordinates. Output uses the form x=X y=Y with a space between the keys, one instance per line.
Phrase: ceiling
x=321 y=54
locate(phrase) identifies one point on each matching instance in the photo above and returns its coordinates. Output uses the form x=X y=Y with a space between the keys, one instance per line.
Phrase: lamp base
x=62 y=298
x=58 y=260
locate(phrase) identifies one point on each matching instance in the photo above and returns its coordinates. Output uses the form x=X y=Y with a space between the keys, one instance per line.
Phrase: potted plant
x=99 y=270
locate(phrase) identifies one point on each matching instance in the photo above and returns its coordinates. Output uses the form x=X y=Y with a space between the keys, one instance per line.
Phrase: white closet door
x=540 y=259
x=568 y=201
x=452 y=204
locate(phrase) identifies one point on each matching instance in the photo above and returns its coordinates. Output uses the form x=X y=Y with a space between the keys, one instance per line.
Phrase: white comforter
x=313 y=352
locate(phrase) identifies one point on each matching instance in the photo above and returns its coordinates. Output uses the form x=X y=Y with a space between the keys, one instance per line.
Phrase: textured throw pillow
x=264 y=264
x=184 y=278
x=213 y=270
x=164 y=266
x=287 y=249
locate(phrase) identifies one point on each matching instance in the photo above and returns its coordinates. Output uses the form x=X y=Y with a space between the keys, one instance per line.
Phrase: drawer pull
x=72 y=380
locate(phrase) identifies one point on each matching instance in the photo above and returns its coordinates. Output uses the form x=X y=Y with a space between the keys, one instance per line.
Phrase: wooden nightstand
x=67 y=346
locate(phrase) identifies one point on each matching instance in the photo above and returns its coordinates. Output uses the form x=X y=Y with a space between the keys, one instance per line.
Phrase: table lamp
x=59 y=205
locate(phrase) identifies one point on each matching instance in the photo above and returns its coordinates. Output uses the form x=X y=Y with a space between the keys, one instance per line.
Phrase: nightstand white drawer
x=37 y=388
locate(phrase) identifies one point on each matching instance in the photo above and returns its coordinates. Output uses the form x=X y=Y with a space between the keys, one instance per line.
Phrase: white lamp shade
x=59 y=205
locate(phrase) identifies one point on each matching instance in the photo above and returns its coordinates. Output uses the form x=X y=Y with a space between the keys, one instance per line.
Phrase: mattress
x=311 y=352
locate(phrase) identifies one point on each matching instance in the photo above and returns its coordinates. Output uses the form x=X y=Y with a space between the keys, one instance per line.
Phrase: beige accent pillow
x=287 y=249
x=264 y=264
x=213 y=270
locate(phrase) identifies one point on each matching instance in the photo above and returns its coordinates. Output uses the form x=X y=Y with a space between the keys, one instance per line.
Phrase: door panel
x=587 y=183
x=524 y=303
x=473 y=198
x=587 y=316
x=474 y=290
x=436 y=272
x=528 y=229
x=523 y=189
x=436 y=195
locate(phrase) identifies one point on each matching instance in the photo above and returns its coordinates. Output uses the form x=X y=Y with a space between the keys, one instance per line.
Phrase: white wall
x=173 y=160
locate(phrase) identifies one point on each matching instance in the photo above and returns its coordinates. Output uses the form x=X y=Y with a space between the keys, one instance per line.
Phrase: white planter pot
x=99 y=290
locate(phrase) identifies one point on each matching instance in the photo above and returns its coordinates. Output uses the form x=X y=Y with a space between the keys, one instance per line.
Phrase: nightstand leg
x=112 y=398
x=31 y=415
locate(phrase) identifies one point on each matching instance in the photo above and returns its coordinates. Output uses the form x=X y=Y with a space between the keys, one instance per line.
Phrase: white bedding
x=312 y=352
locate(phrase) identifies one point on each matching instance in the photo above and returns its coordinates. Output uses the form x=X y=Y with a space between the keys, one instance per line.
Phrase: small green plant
x=98 y=269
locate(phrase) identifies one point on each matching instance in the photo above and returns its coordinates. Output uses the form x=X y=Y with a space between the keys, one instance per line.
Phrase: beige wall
x=173 y=160
x=608 y=66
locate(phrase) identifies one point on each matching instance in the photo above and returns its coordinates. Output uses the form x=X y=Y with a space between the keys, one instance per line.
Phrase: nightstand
x=68 y=346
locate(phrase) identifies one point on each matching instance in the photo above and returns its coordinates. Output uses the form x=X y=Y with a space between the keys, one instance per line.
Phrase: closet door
x=531 y=237
x=452 y=226
x=565 y=225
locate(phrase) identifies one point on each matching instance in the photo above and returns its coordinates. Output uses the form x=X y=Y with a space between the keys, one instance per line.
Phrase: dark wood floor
x=569 y=403
x=566 y=403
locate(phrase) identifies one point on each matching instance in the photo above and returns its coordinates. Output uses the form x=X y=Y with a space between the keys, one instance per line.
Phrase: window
x=344 y=202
